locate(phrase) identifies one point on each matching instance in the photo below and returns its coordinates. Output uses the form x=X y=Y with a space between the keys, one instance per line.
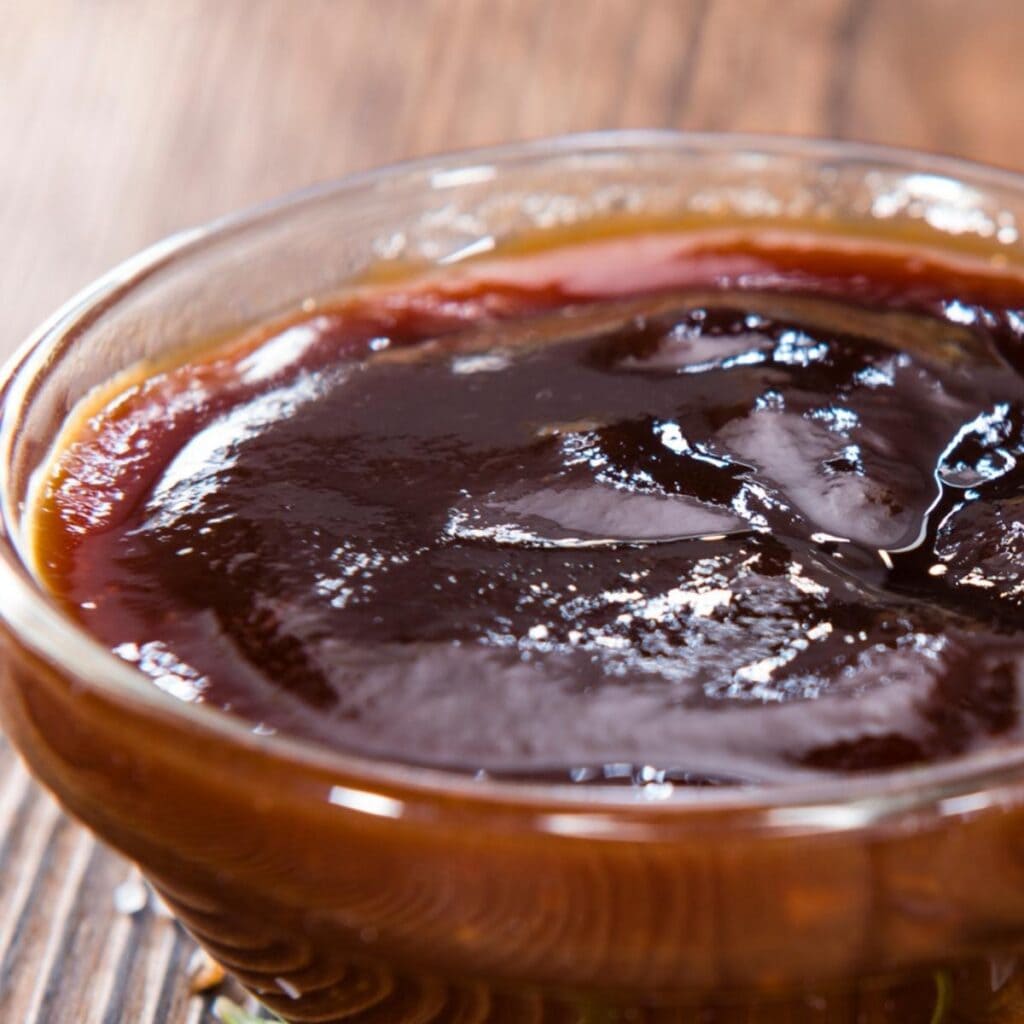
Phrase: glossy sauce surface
x=644 y=511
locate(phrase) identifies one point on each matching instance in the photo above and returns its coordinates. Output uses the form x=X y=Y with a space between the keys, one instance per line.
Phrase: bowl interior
x=434 y=212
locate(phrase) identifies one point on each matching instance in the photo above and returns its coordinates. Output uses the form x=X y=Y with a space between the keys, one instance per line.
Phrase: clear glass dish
x=341 y=888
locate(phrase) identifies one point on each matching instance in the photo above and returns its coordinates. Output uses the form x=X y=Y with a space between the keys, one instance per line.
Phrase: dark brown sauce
x=632 y=513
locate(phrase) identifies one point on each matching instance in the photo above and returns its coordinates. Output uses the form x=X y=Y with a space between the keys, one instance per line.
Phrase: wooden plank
x=947 y=76
x=124 y=120
x=67 y=954
x=777 y=78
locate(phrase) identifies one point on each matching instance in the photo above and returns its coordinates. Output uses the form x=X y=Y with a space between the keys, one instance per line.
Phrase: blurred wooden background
x=123 y=120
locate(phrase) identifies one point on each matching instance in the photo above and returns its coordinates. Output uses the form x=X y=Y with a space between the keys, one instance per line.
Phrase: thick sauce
x=643 y=510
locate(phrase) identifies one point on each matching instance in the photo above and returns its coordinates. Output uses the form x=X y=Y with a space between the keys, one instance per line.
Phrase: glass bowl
x=339 y=888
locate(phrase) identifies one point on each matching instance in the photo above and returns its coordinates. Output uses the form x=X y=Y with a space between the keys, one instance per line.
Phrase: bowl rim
x=965 y=784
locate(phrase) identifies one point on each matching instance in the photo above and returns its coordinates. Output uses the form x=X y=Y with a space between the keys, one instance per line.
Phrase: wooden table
x=123 y=120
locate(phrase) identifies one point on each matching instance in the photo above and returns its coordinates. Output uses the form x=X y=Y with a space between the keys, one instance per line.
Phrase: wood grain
x=123 y=120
